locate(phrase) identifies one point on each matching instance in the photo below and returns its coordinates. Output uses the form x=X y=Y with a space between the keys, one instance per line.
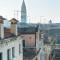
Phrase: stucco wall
x=4 y=47
x=29 y=40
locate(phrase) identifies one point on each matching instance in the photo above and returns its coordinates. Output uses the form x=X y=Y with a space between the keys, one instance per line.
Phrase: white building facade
x=40 y=46
x=11 y=49
x=10 y=46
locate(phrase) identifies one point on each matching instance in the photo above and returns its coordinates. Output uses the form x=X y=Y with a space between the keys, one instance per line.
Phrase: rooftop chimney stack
x=14 y=26
x=1 y=27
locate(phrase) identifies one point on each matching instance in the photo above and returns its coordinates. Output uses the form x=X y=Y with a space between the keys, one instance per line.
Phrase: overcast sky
x=37 y=10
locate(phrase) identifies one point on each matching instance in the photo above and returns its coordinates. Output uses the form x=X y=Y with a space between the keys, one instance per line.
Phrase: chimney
x=2 y=27
x=14 y=26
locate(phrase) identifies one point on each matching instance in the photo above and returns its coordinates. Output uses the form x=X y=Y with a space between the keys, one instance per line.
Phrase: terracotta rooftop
x=7 y=33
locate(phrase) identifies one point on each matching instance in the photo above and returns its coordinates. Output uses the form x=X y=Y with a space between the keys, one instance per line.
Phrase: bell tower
x=23 y=13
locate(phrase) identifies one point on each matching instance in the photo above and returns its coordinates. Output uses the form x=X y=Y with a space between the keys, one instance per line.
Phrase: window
x=8 y=54
x=13 y=52
x=19 y=49
x=23 y=43
x=0 y=56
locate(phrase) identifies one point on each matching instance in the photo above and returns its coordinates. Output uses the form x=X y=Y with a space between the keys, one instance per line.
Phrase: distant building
x=23 y=13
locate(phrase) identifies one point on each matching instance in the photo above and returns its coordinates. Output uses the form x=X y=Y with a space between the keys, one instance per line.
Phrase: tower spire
x=23 y=12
